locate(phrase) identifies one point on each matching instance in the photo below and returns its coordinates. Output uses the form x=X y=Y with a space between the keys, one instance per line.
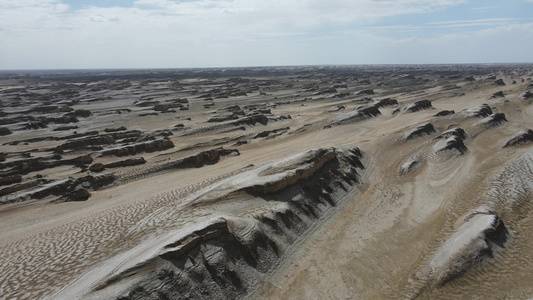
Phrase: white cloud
x=492 y=20
x=165 y=33
x=506 y=43
x=484 y=8
x=235 y=15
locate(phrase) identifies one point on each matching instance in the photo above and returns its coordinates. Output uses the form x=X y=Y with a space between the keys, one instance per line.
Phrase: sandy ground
x=378 y=245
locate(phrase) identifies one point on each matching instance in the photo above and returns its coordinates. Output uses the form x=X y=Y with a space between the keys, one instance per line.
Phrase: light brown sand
x=376 y=247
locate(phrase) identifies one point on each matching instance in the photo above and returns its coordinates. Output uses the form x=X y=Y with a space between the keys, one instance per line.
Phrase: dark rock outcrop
x=10 y=179
x=325 y=91
x=69 y=189
x=418 y=106
x=265 y=111
x=126 y=163
x=197 y=160
x=87 y=141
x=97 y=167
x=357 y=115
x=5 y=131
x=19 y=187
x=66 y=127
x=233 y=255
x=419 y=131
x=453 y=143
x=457 y=132
x=368 y=92
x=522 y=137
x=145 y=103
x=115 y=129
x=336 y=108
x=498 y=94
x=528 y=93
x=224 y=117
x=167 y=107
x=386 y=102
x=479 y=111
x=268 y=133
x=26 y=166
x=499 y=82
x=251 y=120
x=77 y=195
x=492 y=120
x=149 y=146
x=477 y=239
x=443 y=113
x=451 y=140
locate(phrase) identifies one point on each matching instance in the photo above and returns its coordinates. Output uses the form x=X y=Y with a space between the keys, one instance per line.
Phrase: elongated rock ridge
x=229 y=255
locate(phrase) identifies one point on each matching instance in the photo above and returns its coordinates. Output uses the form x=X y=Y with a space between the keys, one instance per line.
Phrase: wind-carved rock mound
x=478 y=239
x=528 y=93
x=419 y=131
x=451 y=140
x=479 y=111
x=271 y=133
x=498 y=94
x=5 y=131
x=458 y=132
x=499 y=82
x=251 y=120
x=336 y=108
x=367 y=92
x=357 y=115
x=227 y=113
x=230 y=255
x=26 y=166
x=443 y=113
x=386 y=102
x=223 y=117
x=411 y=164
x=132 y=149
x=493 y=120
x=99 y=167
x=522 y=137
x=483 y=236
x=10 y=179
x=418 y=106
x=197 y=160
x=69 y=189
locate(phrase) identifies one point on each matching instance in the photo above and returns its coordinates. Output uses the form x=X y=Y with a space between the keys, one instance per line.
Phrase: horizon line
x=252 y=66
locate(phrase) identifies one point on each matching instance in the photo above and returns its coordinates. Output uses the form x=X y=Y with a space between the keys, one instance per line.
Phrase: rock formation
x=479 y=111
x=444 y=113
x=522 y=137
x=419 y=131
x=357 y=115
x=418 y=105
x=233 y=254
x=492 y=120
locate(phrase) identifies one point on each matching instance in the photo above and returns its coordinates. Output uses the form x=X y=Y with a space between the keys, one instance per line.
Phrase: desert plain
x=308 y=182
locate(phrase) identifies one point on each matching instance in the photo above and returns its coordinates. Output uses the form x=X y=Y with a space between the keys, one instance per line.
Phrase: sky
x=86 y=34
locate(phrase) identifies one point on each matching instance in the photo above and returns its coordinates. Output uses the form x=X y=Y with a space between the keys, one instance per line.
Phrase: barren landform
x=318 y=182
